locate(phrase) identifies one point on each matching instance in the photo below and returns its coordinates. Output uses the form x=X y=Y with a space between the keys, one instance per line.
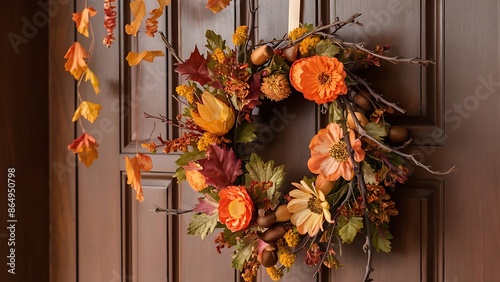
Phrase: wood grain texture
x=24 y=142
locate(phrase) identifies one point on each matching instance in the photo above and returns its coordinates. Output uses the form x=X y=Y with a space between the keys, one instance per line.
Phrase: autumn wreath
x=351 y=161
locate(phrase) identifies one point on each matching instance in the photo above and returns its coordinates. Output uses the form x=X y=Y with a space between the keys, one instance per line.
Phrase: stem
x=170 y=48
x=170 y=211
x=367 y=247
x=394 y=60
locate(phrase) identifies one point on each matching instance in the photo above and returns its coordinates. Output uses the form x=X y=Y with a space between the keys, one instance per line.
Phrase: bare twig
x=170 y=211
x=170 y=48
x=394 y=60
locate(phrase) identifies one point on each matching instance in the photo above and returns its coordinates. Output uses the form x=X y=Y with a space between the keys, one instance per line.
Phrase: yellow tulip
x=213 y=115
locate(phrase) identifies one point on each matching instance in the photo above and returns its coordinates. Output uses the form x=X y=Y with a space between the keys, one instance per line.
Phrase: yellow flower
x=309 y=208
x=292 y=238
x=240 y=36
x=297 y=33
x=274 y=273
x=275 y=87
x=218 y=55
x=308 y=44
x=287 y=259
x=186 y=91
x=213 y=115
x=206 y=140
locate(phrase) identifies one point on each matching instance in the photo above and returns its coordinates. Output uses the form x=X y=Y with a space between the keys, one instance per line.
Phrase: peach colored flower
x=309 y=207
x=235 y=207
x=319 y=78
x=329 y=155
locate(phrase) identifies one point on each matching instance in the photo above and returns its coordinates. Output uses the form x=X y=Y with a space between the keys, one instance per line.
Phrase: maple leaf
x=76 y=56
x=195 y=68
x=89 y=75
x=85 y=146
x=134 y=58
x=206 y=205
x=82 y=20
x=134 y=166
x=138 y=9
x=222 y=168
x=88 y=110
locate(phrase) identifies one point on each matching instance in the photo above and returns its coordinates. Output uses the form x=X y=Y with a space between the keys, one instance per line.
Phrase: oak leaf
x=138 y=9
x=76 y=56
x=221 y=168
x=195 y=68
x=88 y=110
x=82 y=20
x=86 y=148
x=134 y=166
x=134 y=58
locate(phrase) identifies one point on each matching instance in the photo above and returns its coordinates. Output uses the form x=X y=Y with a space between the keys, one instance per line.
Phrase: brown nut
x=398 y=134
x=267 y=220
x=261 y=55
x=290 y=53
x=272 y=234
x=268 y=258
x=363 y=102
x=361 y=118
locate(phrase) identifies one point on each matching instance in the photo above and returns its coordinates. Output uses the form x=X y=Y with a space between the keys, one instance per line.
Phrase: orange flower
x=329 y=155
x=235 y=207
x=319 y=78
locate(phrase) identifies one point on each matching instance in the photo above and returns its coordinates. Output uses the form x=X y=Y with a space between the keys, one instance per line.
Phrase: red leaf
x=222 y=168
x=195 y=68
x=206 y=205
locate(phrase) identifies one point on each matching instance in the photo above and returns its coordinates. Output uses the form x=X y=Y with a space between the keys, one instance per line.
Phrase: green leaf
x=369 y=173
x=309 y=181
x=381 y=238
x=263 y=172
x=201 y=224
x=245 y=133
x=376 y=131
x=231 y=237
x=187 y=157
x=243 y=252
x=349 y=227
x=180 y=174
x=327 y=48
x=214 y=41
x=335 y=113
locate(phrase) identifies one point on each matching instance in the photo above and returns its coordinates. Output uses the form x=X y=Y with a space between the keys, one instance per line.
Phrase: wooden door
x=448 y=228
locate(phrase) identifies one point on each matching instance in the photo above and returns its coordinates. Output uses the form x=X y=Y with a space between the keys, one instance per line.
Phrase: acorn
x=361 y=118
x=363 y=102
x=272 y=234
x=281 y=214
x=261 y=55
x=290 y=53
x=398 y=134
x=268 y=258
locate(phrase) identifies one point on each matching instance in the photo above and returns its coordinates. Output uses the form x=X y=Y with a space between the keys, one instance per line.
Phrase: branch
x=170 y=48
x=394 y=60
x=410 y=157
x=170 y=211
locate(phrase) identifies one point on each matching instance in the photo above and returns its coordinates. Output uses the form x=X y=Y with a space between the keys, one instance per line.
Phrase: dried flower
x=213 y=115
x=109 y=22
x=296 y=33
x=274 y=273
x=275 y=87
x=240 y=36
x=235 y=207
x=308 y=45
x=218 y=56
x=292 y=237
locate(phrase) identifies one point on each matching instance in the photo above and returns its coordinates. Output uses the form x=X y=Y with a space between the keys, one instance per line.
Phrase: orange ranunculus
x=329 y=155
x=235 y=207
x=319 y=78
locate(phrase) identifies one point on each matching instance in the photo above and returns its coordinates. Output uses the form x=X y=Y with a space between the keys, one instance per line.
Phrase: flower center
x=314 y=205
x=236 y=208
x=324 y=78
x=339 y=151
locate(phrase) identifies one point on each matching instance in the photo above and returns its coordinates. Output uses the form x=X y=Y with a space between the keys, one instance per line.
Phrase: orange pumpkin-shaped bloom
x=319 y=78
x=235 y=207
x=329 y=155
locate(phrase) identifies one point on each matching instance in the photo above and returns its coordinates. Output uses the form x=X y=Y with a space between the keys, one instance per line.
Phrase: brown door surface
x=448 y=228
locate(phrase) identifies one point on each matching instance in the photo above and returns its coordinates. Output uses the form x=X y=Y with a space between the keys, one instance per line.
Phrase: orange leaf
x=89 y=75
x=138 y=9
x=76 y=56
x=217 y=5
x=134 y=58
x=152 y=22
x=82 y=20
x=88 y=110
x=85 y=146
x=134 y=166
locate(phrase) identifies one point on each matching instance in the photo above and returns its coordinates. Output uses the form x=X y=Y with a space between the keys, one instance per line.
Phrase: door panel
x=448 y=225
